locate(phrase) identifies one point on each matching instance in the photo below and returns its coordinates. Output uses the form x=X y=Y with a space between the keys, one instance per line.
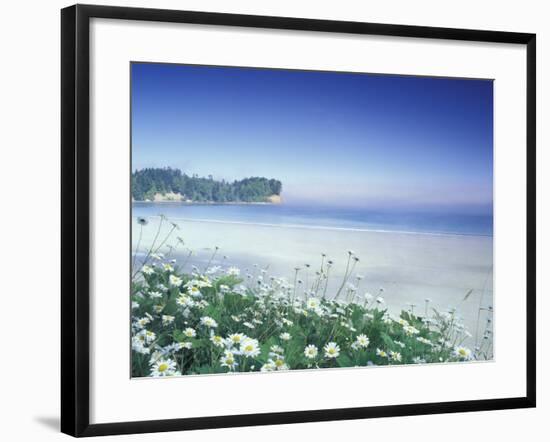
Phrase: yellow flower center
x=249 y=348
x=462 y=352
x=163 y=367
x=279 y=362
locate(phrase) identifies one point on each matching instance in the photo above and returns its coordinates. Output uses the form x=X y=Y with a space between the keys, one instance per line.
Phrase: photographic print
x=289 y=220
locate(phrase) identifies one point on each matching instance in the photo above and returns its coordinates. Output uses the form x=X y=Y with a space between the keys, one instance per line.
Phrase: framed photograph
x=273 y=220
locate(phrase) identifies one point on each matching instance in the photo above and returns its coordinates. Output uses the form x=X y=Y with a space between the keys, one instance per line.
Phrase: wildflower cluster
x=222 y=319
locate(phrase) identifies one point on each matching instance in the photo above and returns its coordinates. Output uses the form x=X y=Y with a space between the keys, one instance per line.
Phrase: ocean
x=324 y=217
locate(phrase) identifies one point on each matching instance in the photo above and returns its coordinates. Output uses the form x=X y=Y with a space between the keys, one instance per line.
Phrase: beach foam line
x=315 y=227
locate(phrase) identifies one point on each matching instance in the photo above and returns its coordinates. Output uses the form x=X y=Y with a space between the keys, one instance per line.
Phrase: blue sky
x=376 y=141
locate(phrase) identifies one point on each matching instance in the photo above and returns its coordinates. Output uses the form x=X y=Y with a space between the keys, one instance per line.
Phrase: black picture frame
x=75 y=224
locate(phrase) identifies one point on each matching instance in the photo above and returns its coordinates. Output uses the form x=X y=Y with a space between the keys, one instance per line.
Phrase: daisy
x=268 y=366
x=280 y=364
x=249 y=347
x=138 y=345
x=228 y=360
x=147 y=270
x=410 y=330
x=167 y=319
x=233 y=271
x=235 y=338
x=395 y=356
x=155 y=294
x=277 y=349
x=185 y=300
x=190 y=332
x=142 y=322
x=186 y=345
x=362 y=341
x=463 y=353
x=168 y=267
x=149 y=336
x=312 y=303
x=424 y=340
x=285 y=336
x=332 y=350
x=381 y=353
x=217 y=340
x=163 y=367
x=175 y=281
x=311 y=351
x=194 y=291
x=209 y=322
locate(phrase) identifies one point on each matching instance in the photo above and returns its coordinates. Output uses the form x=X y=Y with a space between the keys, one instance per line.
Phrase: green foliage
x=147 y=182
x=265 y=313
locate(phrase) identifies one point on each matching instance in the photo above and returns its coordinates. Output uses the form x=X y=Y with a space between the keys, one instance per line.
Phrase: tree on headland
x=150 y=181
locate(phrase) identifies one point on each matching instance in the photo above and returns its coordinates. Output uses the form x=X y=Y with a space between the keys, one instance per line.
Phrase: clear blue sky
x=377 y=141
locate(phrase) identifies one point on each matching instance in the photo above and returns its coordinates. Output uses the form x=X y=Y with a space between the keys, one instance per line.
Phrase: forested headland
x=152 y=184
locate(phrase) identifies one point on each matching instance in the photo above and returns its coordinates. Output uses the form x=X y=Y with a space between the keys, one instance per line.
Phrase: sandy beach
x=410 y=267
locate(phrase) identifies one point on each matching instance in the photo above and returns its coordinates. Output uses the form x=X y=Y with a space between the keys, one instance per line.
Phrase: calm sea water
x=328 y=217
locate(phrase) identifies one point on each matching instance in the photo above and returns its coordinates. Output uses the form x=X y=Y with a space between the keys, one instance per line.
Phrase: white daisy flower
x=228 y=360
x=268 y=366
x=233 y=271
x=217 y=341
x=167 y=319
x=185 y=300
x=312 y=303
x=168 y=267
x=138 y=345
x=155 y=294
x=462 y=353
x=332 y=350
x=395 y=356
x=147 y=270
x=410 y=330
x=175 y=281
x=277 y=349
x=285 y=336
x=142 y=322
x=163 y=367
x=381 y=353
x=190 y=332
x=194 y=291
x=235 y=338
x=249 y=347
x=208 y=321
x=185 y=345
x=362 y=341
x=311 y=351
x=424 y=340
x=280 y=363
